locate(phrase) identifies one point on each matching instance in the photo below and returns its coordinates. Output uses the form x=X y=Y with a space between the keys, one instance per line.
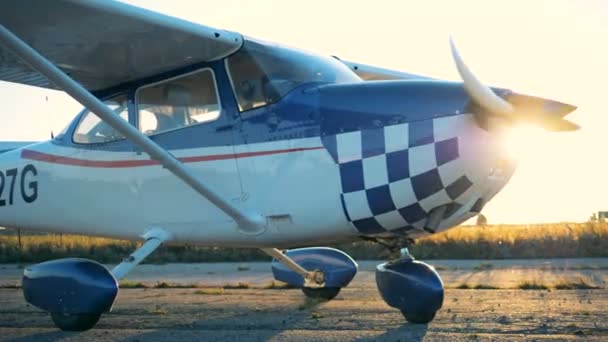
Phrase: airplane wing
x=134 y=42
x=372 y=73
x=89 y=47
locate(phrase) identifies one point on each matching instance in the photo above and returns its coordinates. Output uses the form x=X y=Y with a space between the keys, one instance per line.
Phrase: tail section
x=6 y=146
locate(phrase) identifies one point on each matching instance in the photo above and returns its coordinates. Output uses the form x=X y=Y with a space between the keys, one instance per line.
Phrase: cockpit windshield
x=262 y=74
x=92 y=130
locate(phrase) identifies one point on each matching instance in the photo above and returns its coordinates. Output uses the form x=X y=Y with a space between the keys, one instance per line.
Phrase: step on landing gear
x=411 y=286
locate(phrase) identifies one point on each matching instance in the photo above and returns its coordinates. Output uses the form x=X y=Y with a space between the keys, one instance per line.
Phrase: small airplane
x=197 y=135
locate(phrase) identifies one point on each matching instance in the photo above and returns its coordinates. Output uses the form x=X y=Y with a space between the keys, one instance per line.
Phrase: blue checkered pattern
x=392 y=177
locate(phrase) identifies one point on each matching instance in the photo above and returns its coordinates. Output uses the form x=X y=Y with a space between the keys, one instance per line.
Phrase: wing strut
x=248 y=221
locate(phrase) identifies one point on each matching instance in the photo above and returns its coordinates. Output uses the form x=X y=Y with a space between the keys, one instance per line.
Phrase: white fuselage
x=296 y=186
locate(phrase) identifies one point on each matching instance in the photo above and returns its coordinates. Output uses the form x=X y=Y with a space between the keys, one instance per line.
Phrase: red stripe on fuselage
x=55 y=159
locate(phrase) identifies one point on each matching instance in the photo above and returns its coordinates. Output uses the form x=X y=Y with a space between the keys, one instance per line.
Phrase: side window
x=92 y=130
x=188 y=100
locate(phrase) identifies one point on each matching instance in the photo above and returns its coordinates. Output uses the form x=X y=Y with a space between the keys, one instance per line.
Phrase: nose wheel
x=411 y=286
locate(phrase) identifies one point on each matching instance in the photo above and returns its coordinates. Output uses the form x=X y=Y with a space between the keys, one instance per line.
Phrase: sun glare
x=523 y=141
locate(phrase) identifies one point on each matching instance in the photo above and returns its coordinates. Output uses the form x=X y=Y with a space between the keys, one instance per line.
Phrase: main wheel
x=326 y=293
x=419 y=318
x=77 y=322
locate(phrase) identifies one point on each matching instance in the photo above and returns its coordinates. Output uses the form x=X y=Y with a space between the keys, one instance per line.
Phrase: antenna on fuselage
x=46 y=99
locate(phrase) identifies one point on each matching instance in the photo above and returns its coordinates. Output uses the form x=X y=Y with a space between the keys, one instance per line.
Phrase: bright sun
x=524 y=141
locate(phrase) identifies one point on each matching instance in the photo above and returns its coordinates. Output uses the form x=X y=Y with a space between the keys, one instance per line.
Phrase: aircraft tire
x=77 y=322
x=325 y=293
x=419 y=318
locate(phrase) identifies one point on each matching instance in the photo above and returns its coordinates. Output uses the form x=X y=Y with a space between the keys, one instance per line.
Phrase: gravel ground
x=358 y=313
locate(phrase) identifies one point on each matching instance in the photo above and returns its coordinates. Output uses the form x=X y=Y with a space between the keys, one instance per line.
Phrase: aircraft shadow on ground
x=55 y=335
x=406 y=332
x=241 y=323
x=261 y=324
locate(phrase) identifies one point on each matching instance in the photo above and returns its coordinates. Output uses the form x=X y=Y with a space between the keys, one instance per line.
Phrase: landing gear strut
x=411 y=286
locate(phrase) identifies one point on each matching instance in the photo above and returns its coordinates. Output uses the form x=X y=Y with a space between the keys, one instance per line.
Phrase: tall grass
x=45 y=247
x=36 y=248
x=466 y=242
x=566 y=240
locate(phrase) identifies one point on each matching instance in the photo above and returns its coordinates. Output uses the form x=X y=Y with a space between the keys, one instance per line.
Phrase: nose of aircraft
x=405 y=150
x=424 y=154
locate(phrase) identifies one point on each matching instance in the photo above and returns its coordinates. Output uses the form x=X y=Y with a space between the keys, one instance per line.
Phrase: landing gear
x=411 y=286
x=319 y=271
x=76 y=292
x=75 y=322
x=419 y=318
x=323 y=293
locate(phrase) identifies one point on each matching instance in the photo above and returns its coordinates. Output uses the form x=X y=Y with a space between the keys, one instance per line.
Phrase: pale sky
x=552 y=48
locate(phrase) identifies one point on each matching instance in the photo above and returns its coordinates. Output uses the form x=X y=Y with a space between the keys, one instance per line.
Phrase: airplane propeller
x=514 y=107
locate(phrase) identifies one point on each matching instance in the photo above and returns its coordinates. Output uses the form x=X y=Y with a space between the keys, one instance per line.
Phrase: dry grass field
x=561 y=240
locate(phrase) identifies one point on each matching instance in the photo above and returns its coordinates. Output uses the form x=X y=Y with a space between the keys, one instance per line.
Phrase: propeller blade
x=559 y=125
x=546 y=113
x=483 y=95
x=538 y=104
